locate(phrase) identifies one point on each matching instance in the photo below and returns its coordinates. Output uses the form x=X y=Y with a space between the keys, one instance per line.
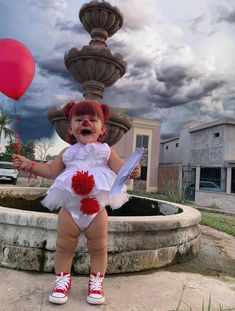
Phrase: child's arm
x=41 y=169
x=115 y=163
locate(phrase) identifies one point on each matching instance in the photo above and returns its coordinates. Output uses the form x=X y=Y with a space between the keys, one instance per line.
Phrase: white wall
x=206 y=149
x=230 y=143
x=172 y=154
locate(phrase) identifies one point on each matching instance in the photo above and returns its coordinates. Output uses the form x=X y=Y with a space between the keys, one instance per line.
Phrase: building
x=203 y=158
x=144 y=133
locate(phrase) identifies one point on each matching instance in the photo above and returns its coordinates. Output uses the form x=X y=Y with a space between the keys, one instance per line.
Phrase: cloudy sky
x=180 y=56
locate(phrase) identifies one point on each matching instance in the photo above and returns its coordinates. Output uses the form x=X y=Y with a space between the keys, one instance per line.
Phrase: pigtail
x=106 y=111
x=67 y=108
x=106 y=114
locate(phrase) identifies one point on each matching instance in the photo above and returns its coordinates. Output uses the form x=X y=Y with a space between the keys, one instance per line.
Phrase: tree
x=42 y=147
x=5 y=125
x=27 y=150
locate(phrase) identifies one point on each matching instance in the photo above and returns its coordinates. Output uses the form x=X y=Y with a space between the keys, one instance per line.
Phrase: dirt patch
x=216 y=256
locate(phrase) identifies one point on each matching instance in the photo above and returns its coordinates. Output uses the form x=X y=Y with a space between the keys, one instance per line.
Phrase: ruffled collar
x=81 y=151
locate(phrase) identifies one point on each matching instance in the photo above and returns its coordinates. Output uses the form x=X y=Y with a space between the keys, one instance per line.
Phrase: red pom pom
x=89 y=206
x=82 y=183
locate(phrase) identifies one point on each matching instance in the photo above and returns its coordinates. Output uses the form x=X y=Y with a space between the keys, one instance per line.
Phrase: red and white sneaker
x=61 y=288
x=95 y=291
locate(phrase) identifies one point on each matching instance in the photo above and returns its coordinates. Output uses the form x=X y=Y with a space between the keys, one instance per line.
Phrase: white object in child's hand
x=125 y=171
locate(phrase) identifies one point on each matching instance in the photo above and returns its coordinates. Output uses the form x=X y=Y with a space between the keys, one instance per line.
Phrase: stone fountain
x=144 y=233
x=95 y=67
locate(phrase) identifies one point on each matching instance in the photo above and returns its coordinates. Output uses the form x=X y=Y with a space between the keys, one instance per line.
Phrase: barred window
x=233 y=180
x=143 y=175
x=213 y=179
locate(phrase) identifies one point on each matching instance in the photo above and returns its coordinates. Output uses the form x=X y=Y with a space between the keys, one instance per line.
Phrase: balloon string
x=31 y=177
x=17 y=133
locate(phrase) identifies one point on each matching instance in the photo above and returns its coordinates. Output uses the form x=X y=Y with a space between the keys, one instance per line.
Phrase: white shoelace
x=96 y=282
x=62 y=282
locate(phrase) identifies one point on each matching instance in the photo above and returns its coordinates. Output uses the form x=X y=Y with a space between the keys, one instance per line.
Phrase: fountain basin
x=135 y=243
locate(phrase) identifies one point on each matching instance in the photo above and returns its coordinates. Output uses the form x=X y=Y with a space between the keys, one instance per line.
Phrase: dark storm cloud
x=137 y=73
x=140 y=68
x=33 y=124
x=72 y=85
x=177 y=85
x=226 y=14
x=205 y=88
x=174 y=76
x=53 y=65
x=173 y=129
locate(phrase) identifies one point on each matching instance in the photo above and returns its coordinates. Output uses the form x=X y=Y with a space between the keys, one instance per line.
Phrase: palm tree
x=5 y=125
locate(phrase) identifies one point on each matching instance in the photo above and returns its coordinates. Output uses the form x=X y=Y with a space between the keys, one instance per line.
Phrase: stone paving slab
x=155 y=291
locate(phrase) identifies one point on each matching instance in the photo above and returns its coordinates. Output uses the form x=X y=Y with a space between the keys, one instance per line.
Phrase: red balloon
x=17 y=68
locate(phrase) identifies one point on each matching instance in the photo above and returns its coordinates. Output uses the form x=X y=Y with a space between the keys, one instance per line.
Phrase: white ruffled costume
x=93 y=158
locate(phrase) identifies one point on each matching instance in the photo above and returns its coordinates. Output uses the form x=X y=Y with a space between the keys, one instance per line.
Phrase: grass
x=220 y=222
x=176 y=195
x=214 y=205
x=172 y=194
x=154 y=195
x=203 y=306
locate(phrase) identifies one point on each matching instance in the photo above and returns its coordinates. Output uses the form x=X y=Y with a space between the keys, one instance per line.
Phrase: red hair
x=89 y=107
x=86 y=107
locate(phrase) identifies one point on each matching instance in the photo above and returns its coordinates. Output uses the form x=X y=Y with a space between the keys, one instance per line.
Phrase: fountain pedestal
x=95 y=67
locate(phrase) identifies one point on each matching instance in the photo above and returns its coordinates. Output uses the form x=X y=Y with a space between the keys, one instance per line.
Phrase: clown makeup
x=86 y=128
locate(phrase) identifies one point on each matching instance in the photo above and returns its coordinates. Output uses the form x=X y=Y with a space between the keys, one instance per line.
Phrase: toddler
x=84 y=173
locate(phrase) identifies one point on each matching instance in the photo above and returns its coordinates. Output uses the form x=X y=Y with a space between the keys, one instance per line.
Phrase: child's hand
x=136 y=173
x=21 y=163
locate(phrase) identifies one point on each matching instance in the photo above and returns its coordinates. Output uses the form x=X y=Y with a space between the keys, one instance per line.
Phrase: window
x=176 y=145
x=6 y=165
x=142 y=141
x=212 y=179
x=167 y=147
x=217 y=134
x=143 y=175
x=233 y=180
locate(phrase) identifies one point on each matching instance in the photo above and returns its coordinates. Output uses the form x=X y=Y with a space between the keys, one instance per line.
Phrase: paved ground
x=157 y=291
x=160 y=290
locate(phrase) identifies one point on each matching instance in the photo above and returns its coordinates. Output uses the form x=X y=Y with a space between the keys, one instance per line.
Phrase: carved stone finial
x=101 y=20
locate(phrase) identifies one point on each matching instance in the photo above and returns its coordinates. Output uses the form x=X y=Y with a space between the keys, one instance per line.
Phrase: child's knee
x=97 y=246
x=66 y=244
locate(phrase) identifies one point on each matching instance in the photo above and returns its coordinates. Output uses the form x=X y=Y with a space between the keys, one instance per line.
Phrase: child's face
x=86 y=128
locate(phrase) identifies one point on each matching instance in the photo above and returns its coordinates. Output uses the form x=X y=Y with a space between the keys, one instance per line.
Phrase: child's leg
x=96 y=235
x=67 y=235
